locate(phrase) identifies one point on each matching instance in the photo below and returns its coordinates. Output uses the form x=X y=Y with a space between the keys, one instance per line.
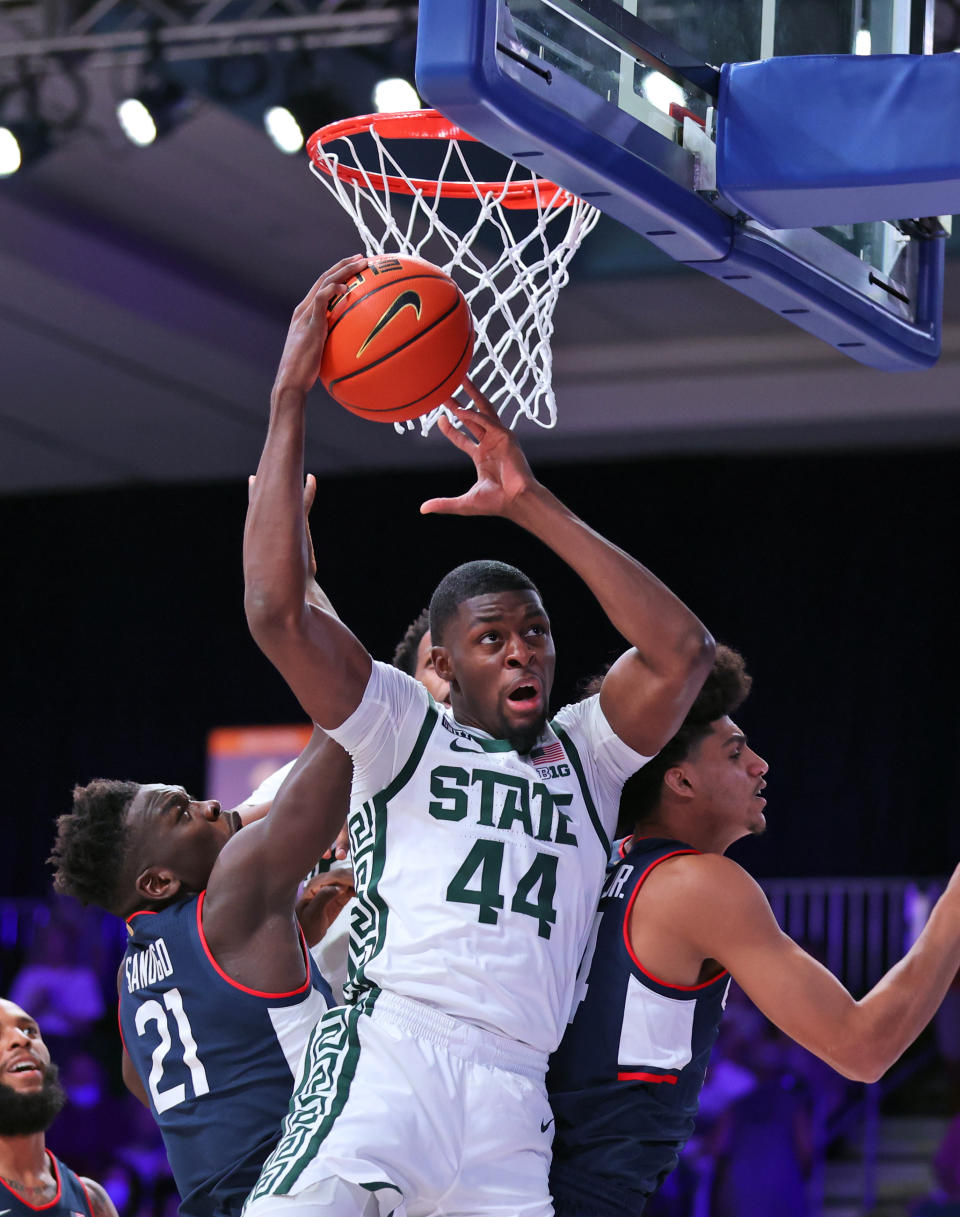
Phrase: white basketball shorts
x=424 y=1113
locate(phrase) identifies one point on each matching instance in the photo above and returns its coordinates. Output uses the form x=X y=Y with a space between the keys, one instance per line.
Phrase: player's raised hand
x=502 y=470
x=303 y=349
x=321 y=902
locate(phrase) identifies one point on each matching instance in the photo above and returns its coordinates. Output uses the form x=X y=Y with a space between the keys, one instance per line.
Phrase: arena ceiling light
x=11 y=157
x=21 y=143
x=393 y=94
x=151 y=112
x=292 y=120
x=281 y=124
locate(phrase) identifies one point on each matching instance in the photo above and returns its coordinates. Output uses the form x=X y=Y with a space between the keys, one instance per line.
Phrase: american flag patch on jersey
x=549 y=755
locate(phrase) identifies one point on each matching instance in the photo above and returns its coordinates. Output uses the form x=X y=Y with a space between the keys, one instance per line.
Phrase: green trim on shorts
x=330 y=1064
x=369 y=862
x=574 y=755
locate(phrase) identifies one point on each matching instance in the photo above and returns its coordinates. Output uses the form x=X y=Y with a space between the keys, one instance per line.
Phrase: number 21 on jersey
x=152 y=1012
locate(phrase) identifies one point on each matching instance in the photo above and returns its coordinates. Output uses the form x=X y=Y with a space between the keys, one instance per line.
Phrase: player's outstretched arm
x=326 y=667
x=248 y=910
x=648 y=691
x=712 y=907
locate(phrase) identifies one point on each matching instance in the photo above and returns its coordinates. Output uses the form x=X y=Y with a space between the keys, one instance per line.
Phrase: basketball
x=399 y=340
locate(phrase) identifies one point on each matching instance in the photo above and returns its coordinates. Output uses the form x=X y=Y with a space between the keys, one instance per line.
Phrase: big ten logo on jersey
x=379 y=267
x=146 y=967
x=550 y=761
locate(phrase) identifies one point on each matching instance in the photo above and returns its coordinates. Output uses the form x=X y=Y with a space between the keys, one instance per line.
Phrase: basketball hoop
x=510 y=258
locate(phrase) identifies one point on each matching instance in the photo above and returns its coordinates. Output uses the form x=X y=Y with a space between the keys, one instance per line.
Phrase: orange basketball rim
x=424 y=124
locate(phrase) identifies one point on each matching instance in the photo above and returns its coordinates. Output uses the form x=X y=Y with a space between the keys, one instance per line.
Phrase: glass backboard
x=617 y=100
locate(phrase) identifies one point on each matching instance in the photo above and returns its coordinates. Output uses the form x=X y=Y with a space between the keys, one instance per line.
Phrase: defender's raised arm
x=648 y=691
x=326 y=667
x=726 y=916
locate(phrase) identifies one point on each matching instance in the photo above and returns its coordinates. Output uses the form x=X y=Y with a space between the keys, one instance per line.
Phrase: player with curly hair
x=677 y=919
x=414 y=655
x=218 y=993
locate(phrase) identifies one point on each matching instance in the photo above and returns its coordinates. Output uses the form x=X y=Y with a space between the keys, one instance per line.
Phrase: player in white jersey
x=479 y=835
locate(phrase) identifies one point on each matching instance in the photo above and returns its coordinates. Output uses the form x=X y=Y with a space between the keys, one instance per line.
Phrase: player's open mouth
x=24 y=1067
x=524 y=697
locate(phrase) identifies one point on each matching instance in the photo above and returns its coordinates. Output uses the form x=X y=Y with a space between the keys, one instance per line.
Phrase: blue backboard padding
x=565 y=132
x=875 y=138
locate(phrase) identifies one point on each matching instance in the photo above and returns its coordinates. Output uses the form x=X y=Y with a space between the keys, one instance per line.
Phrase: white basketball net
x=511 y=279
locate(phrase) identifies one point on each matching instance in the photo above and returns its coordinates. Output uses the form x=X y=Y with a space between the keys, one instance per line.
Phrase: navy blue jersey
x=71 y=1199
x=217 y=1059
x=625 y=1082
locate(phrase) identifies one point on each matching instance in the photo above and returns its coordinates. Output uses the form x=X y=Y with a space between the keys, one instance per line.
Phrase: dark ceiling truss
x=107 y=33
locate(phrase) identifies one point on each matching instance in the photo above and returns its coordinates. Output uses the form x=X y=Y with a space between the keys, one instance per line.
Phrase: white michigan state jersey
x=477 y=870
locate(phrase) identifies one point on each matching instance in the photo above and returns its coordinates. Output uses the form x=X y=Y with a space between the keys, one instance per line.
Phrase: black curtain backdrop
x=835 y=575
